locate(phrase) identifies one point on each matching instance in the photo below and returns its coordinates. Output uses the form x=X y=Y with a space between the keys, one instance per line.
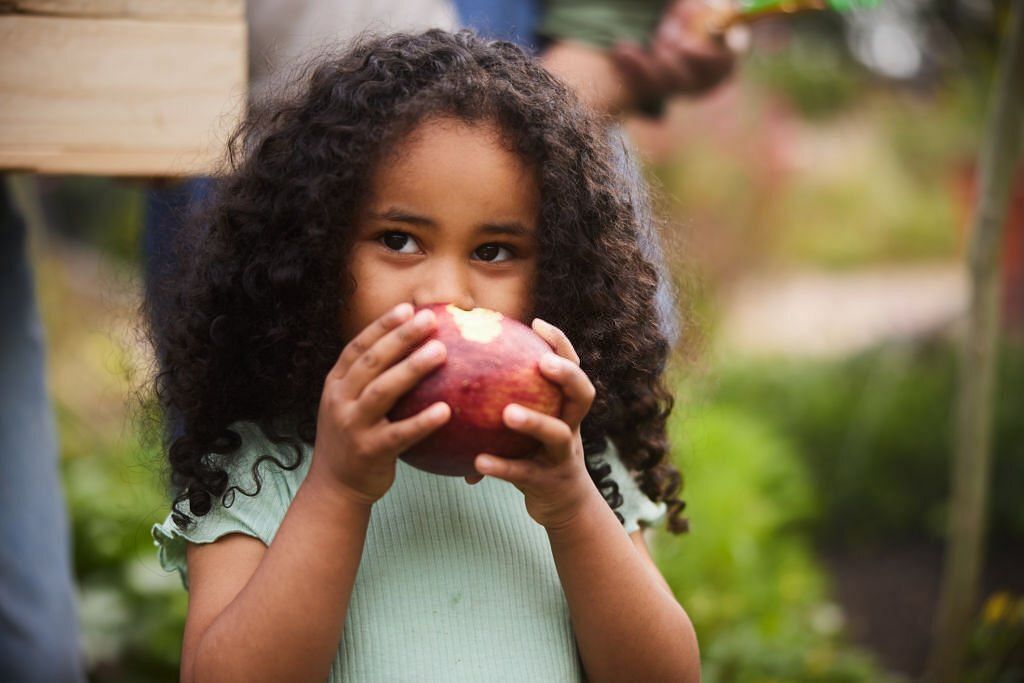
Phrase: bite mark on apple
x=480 y=324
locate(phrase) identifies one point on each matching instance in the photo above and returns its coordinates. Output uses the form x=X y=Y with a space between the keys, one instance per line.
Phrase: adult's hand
x=683 y=57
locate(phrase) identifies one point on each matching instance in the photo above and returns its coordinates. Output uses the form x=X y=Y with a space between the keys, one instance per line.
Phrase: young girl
x=416 y=169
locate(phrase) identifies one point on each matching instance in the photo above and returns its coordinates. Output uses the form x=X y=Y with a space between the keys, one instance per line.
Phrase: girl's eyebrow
x=504 y=228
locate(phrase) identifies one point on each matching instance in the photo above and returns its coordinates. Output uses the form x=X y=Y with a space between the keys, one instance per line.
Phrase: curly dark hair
x=249 y=330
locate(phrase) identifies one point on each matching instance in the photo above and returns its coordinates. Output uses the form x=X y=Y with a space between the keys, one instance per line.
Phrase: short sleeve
x=601 y=23
x=258 y=516
x=637 y=510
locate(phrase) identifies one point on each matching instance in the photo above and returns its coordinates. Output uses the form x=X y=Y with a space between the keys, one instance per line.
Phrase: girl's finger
x=556 y=339
x=386 y=351
x=368 y=337
x=381 y=393
x=550 y=431
x=395 y=437
x=577 y=389
x=522 y=473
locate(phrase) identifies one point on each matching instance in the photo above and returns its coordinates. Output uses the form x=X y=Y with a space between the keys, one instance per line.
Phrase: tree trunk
x=972 y=454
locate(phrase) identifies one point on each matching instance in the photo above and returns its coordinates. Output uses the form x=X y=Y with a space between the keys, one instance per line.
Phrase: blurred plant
x=868 y=426
x=871 y=211
x=932 y=135
x=996 y=653
x=745 y=573
x=100 y=211
x=880 y=184
x=811 y=71
x=132 y=612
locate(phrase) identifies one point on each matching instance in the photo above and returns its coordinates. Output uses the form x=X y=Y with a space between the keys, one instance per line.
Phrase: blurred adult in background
x=621 y=56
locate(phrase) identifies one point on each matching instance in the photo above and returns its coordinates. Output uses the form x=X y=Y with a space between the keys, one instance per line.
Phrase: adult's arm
x=679 y=58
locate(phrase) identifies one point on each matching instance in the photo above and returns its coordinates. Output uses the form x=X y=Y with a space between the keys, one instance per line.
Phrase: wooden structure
x=120 y=87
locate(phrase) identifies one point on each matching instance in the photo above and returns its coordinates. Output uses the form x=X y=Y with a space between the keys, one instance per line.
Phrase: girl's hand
x=555 y=482
x=356 y=445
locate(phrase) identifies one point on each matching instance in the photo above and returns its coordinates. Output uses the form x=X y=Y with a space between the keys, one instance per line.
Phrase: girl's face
x=451 y=218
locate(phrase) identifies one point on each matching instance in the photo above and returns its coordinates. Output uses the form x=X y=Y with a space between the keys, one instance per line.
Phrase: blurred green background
x=815 y=222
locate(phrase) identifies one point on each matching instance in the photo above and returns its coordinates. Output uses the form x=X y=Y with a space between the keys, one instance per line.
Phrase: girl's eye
x=490 y=252
x=397 y=241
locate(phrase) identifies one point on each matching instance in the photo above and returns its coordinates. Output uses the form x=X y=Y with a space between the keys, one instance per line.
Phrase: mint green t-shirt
x=456 y=582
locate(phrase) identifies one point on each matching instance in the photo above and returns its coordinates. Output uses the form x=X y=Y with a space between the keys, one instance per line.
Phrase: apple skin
x=492 y=361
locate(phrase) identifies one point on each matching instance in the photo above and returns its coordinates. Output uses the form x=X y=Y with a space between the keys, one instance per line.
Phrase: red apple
x=492 y=361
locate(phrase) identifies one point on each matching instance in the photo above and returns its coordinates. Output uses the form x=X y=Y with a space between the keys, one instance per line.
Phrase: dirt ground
x=889 y=595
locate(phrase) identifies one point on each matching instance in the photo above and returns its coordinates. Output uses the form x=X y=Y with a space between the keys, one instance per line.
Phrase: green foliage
x=788 y=455
x=885 y=186
x=934 y=134
x=996 y=652
x=870 y=427
x=861 y=216
x=813 y=74
x=132 y=613
x=745 y=573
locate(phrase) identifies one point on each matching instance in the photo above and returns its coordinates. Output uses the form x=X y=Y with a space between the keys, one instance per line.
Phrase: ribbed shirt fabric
x=456 y=582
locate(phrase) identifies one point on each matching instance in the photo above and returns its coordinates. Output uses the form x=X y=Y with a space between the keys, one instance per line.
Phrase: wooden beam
x=118 y=96
x=202 y=10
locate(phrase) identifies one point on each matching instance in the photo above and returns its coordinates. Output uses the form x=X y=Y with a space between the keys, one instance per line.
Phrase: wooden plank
x=118 y=96
x=202 y=10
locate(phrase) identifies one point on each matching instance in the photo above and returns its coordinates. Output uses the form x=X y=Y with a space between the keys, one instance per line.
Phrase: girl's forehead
x=448 y=165
x=440 y=138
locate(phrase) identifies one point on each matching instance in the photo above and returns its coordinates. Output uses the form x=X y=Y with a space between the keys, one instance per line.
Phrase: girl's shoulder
x=263 y=478
x=637 y=510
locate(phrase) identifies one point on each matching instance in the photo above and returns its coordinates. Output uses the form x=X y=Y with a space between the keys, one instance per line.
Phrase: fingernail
x=402 y=311
x=438 y=409
x=515 y=414
x=432 y=349
x=424 y=318
x=545 y=326
x=484 y=462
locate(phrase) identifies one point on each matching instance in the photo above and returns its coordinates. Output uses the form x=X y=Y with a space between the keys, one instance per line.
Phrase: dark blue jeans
x=38 y=627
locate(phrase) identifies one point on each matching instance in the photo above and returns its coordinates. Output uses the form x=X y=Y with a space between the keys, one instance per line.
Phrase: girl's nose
x=446 y=283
